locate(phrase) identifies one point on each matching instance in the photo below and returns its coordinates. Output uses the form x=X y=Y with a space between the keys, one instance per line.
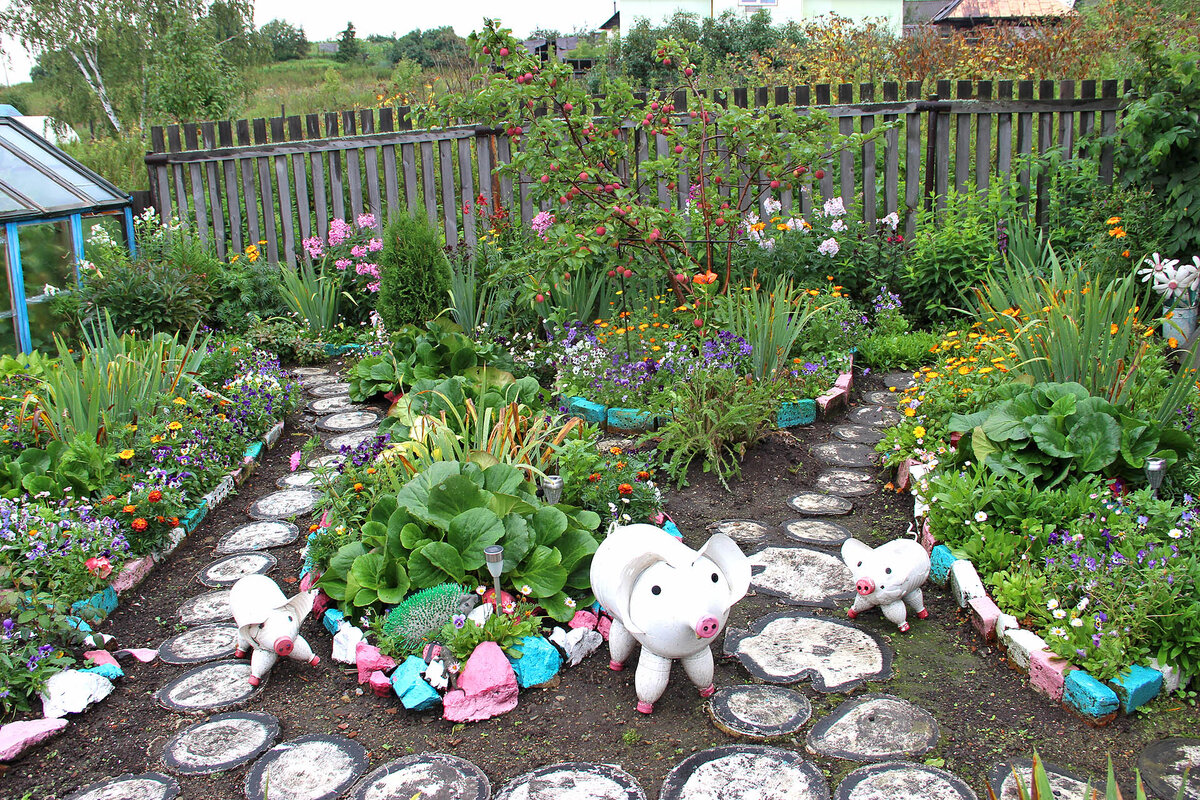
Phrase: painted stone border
x=610 y=772
x=170 y=787
x=675 y=784
x=845 y=790
x=268 y=723
x=473 y=786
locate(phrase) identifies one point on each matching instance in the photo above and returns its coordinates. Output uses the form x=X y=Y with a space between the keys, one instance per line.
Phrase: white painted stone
x=174 y=539
x=72 y=691
x=318 y=380
x=330 y=389
x=817 y=504
x=744 y=771
x=802 y=576
x=147 y=786
x=350 y=440
x=331 y=405
x=577 y=643
x=272 y=436
x=345 y=643
x=258 y=535
x=1005 y=622
x=311 y=767
x=816 y=531
x=427 y=776
x=211 y=687
x=195 y=646
x=874 y=727
x=903 y=781
x=219 y=492
x=308 y=372
x=573 y=781
x=1021 y=643
x=846 y=482
x=220 y=743
x=1063 y=784
x=345 y=421
x=758 y=711
x=746 y=532
x=965 y=584
x=1173 y=679
x=846 y=454
x=283 y=504
x=227 y=570
x=206 y=609
x=298 y=480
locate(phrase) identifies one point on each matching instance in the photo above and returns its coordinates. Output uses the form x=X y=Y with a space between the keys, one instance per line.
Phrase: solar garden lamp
x=552 y=489
x=495 y=564
x=1155 y=469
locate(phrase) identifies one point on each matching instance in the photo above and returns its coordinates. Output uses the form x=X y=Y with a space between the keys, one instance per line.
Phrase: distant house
x=975 y=13
x=658 y=11
x=327 y=48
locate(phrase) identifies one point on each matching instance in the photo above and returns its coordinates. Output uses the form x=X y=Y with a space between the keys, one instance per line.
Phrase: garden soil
x=986 y=712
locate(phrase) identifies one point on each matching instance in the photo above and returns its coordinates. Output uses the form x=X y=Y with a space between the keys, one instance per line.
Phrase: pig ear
x=631 y=570
x=301 y=604
x=854 y=550
x=732 y=562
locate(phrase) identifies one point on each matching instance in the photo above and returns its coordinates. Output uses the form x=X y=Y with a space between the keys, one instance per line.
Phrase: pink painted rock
x=368 y=659
x=101 y=657
x=903 y=480
x=928 y=540
x=381 y=685
x=604 y=626
x=132 y=574
x=1048 y=673
x=17 y=737
x=584 y=619
x=320 y=603
x=984 y=615
x=845 y=380
x=310 y=577
x=487 y=687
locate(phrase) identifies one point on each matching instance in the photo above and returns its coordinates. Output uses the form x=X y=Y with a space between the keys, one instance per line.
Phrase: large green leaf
x=543 y=572
x=385 y=506
x=1096 y=440
x=1048 y=437
x=453 y=496
x=414 y=495
x=981 y=445
x=374 y=534
x=507 y=504
x=585 y=519
x=411 y=536
x=437 y=559
x=1005 y=424
x=393 y=584
x=368 y=569
x=472 y=531
x=502 y=478
x=1138 y=441
x=548 y=524
x=518 y=541
x=574 y=546
x=961 y=423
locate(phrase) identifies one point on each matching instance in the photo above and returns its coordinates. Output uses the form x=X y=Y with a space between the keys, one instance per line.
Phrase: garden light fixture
x=552 y=489
x=1155 y=469
x=495 y=564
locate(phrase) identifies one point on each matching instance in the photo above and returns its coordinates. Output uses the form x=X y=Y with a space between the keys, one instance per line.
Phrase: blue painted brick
x=193 y=518
x=110 y=671
x=796 y=412
x=1088 y=696
x=670 y=527
x=1137 y=687
x=253 y=451
x=78 y=624
x=630 y=419
x=587 y=410
x=332 y=619
x=940 y=561
x=102 y=603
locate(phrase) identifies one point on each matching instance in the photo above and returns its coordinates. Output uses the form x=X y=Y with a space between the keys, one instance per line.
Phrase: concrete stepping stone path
x=573 y=780
x=759 y=712
x=284 y=504
x=346 y=421
x=226 y=571
x=747 y=533
x=314 y=381
x=882 y=398
x=334 y=389
x=875 y=416
x=325 y=461
x=744 y=771
x=900 y=380
x=874 y=727
x=305 y=372
x=898 y=780
x=258 y=535
x=857 y=434
x=1162 y=764
x=846 y=454
x=298 y=480
x=332 y=405
x=428 y=776
x=211 y=687
x=792 y=646
x=802 y=576
x=350 y=440
x=820 y=532
x=206 y=609
x=816 y=504
x=220 y=743
x=1063 y=784
x=310 y=767
x=147 y=786
x=846 y=482
x=195 y=646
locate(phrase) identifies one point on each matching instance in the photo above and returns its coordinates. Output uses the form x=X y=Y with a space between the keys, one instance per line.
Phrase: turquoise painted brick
x=940 y=561
x=254 y=450
x=1089 y=696
x=1137 y=687
x=670 y=527
x=193 y=518
x=103 y=603
x=78 y=624
x=630 y=419
x=796 y=412
x=587 y=410
x=110 y=671
x=332 y=619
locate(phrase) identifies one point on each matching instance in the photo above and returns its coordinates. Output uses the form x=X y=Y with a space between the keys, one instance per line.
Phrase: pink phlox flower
x=342 y=263
x=339 y=231
x=294 y=461
x=314 y=247
x=366 y=220
x=375 y=245
x=373 y=287
x=359 y=251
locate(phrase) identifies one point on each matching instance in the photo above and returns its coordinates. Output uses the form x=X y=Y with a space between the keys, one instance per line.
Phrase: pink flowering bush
x=350 y=249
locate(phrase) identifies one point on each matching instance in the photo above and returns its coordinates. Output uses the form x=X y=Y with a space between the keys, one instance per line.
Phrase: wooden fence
x=281 y=180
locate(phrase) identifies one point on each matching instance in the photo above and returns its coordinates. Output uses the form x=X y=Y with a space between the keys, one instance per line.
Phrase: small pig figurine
x=890 y=576
x=670 y=599
x=269 y=623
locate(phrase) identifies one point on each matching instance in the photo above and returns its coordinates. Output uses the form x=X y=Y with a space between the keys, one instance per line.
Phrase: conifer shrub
x=415 y=273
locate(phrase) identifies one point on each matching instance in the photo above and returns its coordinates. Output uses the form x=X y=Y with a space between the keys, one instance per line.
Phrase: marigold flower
x=594 y=477
x=174 y=425
x=358 y=487
x=129 y=509
x=140 y=524
x=625 y=488
x=154 y=496
x=643 y=475
x=179 y=401
x=1113 y=329
x=126 y=454
x=1172 y=342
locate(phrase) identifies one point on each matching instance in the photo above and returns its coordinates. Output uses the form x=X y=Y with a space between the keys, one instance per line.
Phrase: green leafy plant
x=415 y=275
x=1037 y=785
x=310 y=295
x=772 y=322
x=461 y=635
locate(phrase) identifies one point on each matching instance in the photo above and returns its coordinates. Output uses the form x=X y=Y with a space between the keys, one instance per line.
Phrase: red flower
x=625 y=488
x=154 y=496
x=595 y=476
x=140 y=524
x=643 y=476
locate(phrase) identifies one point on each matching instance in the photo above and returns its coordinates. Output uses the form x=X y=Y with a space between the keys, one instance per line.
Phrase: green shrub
x=898 y=351
x=243 y=291
x=416 y=274
x=148 y=297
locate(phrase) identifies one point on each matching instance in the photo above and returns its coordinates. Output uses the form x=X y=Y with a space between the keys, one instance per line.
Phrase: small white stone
x=72 y=691
x=480 y=613
x=345 y=643
x=1020 y=644
x=965 y=584
x=1173 y=679
x=1006 y=622
x=578 y=644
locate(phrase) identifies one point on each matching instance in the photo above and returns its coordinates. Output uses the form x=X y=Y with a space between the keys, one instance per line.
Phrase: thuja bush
x=415 y=279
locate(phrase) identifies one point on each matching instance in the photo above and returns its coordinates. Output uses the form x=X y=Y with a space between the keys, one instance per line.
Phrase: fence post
x=866 y=94
x=912 y=160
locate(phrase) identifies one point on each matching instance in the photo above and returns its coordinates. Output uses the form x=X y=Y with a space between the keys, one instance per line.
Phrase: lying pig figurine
x=890 y=576
x=269 y=624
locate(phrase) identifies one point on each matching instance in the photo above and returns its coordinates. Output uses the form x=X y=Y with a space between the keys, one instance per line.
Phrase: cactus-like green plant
x=1038 y=787
x=412 y=624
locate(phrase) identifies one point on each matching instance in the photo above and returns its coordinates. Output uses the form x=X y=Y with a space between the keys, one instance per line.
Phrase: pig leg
x=915 y=600
x=861 y=604
x=896 y=614
x=261 y=661
x=699 y=669
x=620 y=646
x=301 y=651
x=653 y=672
x=244 y=645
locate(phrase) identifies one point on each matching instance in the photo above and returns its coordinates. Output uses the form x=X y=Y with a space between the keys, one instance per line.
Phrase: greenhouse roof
x=38 y=180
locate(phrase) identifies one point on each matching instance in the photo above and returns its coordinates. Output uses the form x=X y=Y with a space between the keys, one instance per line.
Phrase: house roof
x=613 y=23
x=966 y=10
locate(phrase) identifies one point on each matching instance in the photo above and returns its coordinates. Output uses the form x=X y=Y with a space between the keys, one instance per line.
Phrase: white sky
x=399 y=17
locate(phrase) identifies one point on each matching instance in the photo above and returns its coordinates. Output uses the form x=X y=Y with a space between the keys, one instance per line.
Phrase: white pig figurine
x=670 y=599
x=890 y=576
x=269 y=624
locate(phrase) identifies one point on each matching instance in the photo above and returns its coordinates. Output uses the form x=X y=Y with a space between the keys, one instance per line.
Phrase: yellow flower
x=156 y=439
x=174 y=426
x=910 y=412
x=179 y=401
x=1113 y=329
x=1117 y=233
x=126 y=454
x=1113 y=221
x=919 y=431
x=1172 y=343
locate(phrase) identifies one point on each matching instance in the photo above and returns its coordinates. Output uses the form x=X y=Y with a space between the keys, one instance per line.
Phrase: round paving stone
x=284 y=504
x=336 y=389
x=297 y=480
x=1162 y=764
x=220 y=743
x=744 y=771
x=351 y=440
x=428 y=776
x=311 y=767
x=816 y=531
x=573 y=780
x=212 y=687
x=759 y=712
x=846 y=454
x=858 y=434
x=846 y=482
x=1064 y=785
x=898 y=780
x=874 y=727
x=791 y=646
x=147 y=786
x=332 y=405
x=802 y=576
x=308 y=372
x=258 y=536
x=746 y=532
x=195 y=646
x=819 y=505
x=875 y=416
x=206 y=609
x=881 y=398
x=325 y=461
x=900 y=380
x=227 y=571
x=346 y=421
x=318 y=380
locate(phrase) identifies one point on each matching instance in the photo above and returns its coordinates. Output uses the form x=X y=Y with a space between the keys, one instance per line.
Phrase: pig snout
x=707 y=626
x=864 y=586
x=283 y=646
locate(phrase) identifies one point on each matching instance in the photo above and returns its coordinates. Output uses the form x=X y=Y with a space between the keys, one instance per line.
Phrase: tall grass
x=771 y=322
x=310 y=295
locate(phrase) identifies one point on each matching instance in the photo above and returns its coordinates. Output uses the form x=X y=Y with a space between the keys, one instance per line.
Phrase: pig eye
x=888 y=571
x=655 y=590
x=860 y=564
x=715 y=578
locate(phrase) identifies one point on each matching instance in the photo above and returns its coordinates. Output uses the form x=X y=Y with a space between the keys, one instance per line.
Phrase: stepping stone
x=212 y=687
x=573 y=780
x=336 y=389
x=747 y=533
x=1063 y=785
x=318 y=380
x=874 y=727
x=846 y=455
x=227 y=571
x=351 y=440
x=802 y=576
x=816 y=531
x=332 y=405
x=846 y=482
x=258 y=536
x=882 y=398
x=1162 y=764
x=791 y=646
x=308 y=372
x=345 y=421
x=325 y=461
x=816 y=504
x=297 y=480
x=875 y=416
x=206 y=609
x=220 y=743
x=147 y=786
x=744 y=771
x=429 y=776
x=759 y=712
x=858 y=434
x=195 y=646
x=902 y=781
x=284 y=504
x=312 y=767
x=901 y=380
